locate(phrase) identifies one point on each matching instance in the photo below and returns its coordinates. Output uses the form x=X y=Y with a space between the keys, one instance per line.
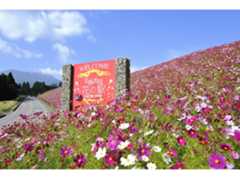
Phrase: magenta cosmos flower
x=237 y=136
x=192 y=133
x=65 y=151
x=144 y=150
x=80 y=160
x=181 y=141
x=178 y=165
x=112 y=158
x=28 y=147
x=217 y=161
x=226 y=147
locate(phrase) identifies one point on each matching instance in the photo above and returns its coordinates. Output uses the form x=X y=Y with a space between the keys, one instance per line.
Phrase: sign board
x=94 y=83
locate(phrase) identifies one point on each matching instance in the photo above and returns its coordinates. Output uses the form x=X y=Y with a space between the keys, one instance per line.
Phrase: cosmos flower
x=181 y=141
x=80 y=160
x=100 y=143
x=41 y=154
x=190 y=120
x=166 y=158
x=237 y=135
x=101 y=153
x=230 y=166
x=20 y=157
x=192 y=133
x=129 y=161
x=151 y=166
x=123 y=144
x=124 y=126
x=178 y=165
x=228 y=118
x=66 y=151
x=113 y=142
x=133 y=129
x=156 y=149
x=235 y=155
x=172 y=153
x=217 y=161
x=226 y=147
x=112 y=158
x=144 y=150
x=28 y=147
x=148 y=133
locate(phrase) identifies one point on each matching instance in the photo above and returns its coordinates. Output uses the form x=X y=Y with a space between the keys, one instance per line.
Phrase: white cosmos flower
x=156 y=149
x=101 y=153
x=145 y=158
x=230 y=123
x=203 y=105
x=20 y=157
x=123 y=144
x=230 y=166
x=129 y=161
x=124 y=126
x=227 y=117
x=198 y=108
x=166 y=158
x=148 y=133
x=188 y=127
x=151 y=166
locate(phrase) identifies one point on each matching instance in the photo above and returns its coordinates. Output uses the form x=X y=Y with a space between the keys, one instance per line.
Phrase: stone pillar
x=122 y=76
x=67 y=78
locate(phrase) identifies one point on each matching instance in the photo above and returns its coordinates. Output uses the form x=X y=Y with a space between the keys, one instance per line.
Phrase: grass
x=8 y=105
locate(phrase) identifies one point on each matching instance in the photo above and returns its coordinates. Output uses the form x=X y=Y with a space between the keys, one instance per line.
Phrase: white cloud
x=51 y=71
x=13 y=50
x=31 y=26
x=65 y=53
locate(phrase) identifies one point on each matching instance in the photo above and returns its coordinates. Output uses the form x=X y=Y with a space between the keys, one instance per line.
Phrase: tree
x=8 y=87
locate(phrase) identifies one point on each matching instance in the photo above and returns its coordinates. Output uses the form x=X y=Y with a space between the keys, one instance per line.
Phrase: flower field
x=182 y=114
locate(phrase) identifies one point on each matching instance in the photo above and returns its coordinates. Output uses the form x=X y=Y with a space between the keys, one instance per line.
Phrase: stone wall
x=122 y=76
x=66 y=95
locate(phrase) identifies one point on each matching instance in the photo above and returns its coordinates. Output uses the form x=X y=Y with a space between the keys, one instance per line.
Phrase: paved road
x=29 y=106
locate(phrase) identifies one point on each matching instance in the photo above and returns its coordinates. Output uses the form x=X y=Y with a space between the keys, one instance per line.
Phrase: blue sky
x=43 y=41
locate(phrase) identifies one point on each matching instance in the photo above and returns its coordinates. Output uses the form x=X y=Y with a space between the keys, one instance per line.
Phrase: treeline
x=9 y=89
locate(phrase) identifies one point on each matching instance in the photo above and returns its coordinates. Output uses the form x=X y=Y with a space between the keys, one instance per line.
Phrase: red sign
x=93 y=83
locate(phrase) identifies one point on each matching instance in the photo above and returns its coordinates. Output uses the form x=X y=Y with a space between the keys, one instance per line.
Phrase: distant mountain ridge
x=31 y=77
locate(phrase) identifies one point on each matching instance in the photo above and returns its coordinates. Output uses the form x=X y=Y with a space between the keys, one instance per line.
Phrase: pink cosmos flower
x=172 y=153
x=41 y=154
x=65 y=151
x=235 y=155
x=190 y=120
x=237 y=135
x=80 y=160
x=181 y=141
x=113 y=142
x=217 y=161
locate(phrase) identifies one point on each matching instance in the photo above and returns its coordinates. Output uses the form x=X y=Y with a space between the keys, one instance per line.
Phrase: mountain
x=31 y=77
